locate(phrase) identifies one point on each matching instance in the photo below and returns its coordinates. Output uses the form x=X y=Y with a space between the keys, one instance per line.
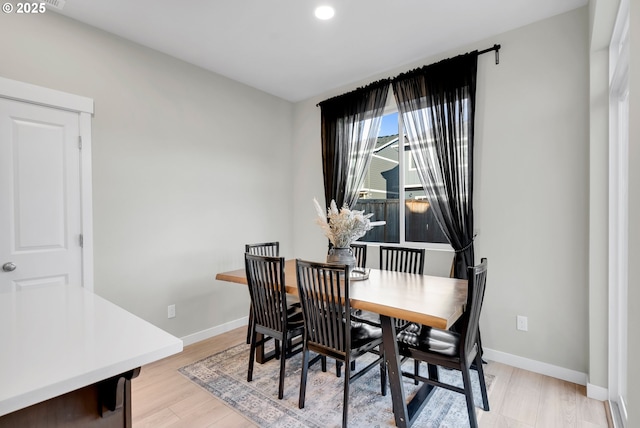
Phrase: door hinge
x=81 y=240
x=79 y=142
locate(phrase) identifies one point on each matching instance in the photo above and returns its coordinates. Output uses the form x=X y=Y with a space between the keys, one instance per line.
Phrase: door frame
x=83 y=106
x=618 y=213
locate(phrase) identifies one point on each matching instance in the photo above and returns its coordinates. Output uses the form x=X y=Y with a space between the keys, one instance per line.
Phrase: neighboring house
x=380 y=193
x=383 y=180
x=377 y=184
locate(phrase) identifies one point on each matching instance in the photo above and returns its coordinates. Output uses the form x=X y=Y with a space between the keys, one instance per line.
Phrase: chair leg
x=383 y=374
x=416 y=370
x=252 y=353
x=468 y=392
x=345 y=401
x=339 y=367
x=283 y=359
x=433 y=371
x=303 y=377
x=483 y=384
x=250 y=325
x=276 y=346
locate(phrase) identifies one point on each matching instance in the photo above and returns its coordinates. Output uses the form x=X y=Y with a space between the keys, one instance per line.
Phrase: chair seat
x=373 y=319
x=293 y=300
x=295 y=319
x=430 y=339
x=361 y=334
x=367 y=317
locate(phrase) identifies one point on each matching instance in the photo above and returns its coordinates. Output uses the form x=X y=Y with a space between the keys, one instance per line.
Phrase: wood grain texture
x=162 y=397
x=430 y=300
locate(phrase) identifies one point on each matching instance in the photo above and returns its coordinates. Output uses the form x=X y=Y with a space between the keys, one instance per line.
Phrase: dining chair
x=455 y=327
x=407 y=260
x=451 y=349
x=402 y=259
x=272 y=316
x=324 y=292
x=360 y=253
x=398 y=259
x=271 y=249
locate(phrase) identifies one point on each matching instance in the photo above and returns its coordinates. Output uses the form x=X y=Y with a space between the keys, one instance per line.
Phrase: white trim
x=26 y=92
x=597 y=392
x=86 y=199
x=618 y=213
x=557 y=372
x=214 y=331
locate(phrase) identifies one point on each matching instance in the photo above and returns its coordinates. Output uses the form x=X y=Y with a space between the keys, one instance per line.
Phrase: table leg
x=395 y=373
x=405 y=413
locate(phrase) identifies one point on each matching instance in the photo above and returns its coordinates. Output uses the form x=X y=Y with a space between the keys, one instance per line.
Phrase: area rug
x=225 y=376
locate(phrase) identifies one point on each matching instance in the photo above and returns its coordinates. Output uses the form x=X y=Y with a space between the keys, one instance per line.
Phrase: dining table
x=423 y=299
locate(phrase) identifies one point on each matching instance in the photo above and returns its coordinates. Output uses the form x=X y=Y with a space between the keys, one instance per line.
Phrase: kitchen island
x=68 y=356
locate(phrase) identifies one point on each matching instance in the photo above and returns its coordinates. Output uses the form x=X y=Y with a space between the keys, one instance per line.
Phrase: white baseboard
x=597 y=392
x=536 y=366
x=214 y=331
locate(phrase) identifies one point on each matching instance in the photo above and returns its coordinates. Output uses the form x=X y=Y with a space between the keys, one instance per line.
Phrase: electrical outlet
x=522 y=323
x=171 y=311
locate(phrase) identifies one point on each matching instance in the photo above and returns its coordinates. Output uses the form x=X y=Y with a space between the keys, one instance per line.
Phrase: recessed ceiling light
x=324 y=12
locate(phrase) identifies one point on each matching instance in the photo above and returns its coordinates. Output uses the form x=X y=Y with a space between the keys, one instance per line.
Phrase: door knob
x=9 y=267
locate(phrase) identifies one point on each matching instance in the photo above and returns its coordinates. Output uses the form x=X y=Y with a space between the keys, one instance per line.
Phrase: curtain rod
x=495 y=47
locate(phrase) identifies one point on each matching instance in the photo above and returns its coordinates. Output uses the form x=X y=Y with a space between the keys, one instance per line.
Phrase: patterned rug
x=225 y=376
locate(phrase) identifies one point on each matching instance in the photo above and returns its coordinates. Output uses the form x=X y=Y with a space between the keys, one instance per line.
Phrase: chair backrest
x=271 y=249
x=324 y=292
x=402 y=259
x=265 y=278
x=360 y=252
x=475 y=295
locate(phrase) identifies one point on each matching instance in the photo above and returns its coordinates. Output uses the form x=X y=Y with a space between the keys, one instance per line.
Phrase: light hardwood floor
x=162 y=397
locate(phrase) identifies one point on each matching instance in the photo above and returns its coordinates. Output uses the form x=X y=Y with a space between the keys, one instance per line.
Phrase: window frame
x=392 y=108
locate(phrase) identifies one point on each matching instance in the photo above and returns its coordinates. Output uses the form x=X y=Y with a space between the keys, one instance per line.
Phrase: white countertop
x=57 y=339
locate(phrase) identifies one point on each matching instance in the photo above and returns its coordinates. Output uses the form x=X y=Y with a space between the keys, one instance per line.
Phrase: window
x=392 y=192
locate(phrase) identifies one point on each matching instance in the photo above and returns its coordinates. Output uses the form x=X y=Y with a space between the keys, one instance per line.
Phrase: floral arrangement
x=343 y=226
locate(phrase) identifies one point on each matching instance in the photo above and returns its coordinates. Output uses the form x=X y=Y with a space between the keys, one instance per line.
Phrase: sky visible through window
x=389 y=125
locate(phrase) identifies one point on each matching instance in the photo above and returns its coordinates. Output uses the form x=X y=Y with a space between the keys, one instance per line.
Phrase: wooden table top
x=429 y=300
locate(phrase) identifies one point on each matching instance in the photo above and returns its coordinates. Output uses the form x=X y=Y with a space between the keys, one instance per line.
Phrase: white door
x=40 y=208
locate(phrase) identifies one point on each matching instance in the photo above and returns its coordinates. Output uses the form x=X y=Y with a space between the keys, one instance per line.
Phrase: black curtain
x=350 y=126
x=437 y=106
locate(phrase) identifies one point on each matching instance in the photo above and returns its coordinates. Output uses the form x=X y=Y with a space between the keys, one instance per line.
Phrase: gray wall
x=531 y=187
x=187 y=167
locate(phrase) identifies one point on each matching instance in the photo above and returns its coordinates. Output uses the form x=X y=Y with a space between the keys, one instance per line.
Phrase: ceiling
x=279 y=47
